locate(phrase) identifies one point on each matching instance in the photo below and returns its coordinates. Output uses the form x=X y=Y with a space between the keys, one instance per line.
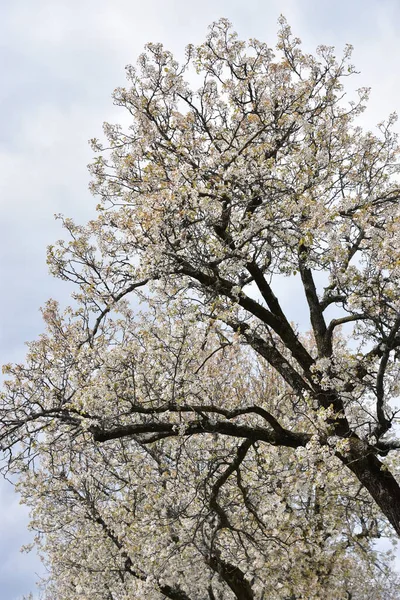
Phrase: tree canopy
x=175 y=433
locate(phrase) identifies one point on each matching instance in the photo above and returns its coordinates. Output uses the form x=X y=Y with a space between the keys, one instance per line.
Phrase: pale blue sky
x=60 y=60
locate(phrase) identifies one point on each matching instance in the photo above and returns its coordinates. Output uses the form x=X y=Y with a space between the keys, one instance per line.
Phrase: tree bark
x=374 y=476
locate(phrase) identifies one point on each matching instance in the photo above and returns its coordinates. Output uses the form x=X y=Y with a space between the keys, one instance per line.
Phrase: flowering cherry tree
x=174 y=432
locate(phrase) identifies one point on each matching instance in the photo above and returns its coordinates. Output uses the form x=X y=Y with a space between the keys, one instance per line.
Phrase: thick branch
x=380 y=483
x=205 y=409
x=384 y=423
x=287 y=438
x=284 y=330
x=277 y=324
x=233 y=577
x=324 y=345
x=273 y=357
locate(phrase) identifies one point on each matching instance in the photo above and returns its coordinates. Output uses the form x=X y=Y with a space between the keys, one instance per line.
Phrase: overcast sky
x=60 y=61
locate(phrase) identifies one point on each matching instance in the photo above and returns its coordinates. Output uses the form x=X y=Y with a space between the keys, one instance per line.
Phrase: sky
x=59 y=62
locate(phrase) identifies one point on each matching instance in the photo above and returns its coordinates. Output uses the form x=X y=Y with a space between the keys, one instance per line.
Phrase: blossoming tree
x=174 y=433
